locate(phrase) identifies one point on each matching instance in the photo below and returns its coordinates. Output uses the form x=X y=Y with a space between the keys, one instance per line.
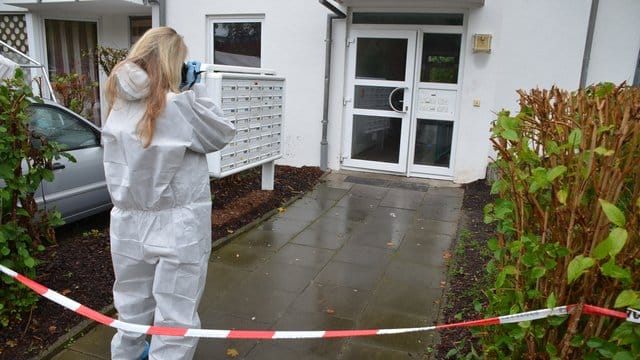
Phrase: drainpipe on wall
x=162 y=18
x=589 y=42
x=324 y=144
x=636 y=78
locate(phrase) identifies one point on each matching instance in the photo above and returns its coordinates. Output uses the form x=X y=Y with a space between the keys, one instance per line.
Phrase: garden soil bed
x=79 y=265
x=467 y=269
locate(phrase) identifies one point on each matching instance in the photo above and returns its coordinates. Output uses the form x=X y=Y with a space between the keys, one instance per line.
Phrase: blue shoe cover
x=145 y=353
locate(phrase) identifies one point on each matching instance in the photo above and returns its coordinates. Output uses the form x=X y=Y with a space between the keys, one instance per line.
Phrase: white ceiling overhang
x=410 y=4
x=99 y=7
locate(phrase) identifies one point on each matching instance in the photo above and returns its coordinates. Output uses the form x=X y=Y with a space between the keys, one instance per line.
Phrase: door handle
x=57 y=166
x=391 y=96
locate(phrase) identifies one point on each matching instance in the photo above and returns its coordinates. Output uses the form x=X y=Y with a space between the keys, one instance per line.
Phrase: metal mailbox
x=254 y=103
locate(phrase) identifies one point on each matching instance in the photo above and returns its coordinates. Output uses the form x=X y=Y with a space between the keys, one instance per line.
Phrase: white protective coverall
x=161 y=219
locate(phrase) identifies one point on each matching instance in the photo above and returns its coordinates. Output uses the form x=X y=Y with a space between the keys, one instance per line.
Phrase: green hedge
x=568 y=223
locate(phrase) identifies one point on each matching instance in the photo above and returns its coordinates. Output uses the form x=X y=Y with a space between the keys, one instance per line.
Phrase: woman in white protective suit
x=155 y=140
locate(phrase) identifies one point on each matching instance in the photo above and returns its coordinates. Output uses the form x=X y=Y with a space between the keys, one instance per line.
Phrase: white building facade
x=411 y=86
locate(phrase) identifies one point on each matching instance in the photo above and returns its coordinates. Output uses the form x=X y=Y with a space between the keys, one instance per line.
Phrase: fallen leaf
x=392 y=214
x=390 y=244
x=232 y=352
x=281 y=209
x=65 y=292
x=446 y=255
x=330 y=311
x=230 y=231
x=52 y=329
x=11 y=343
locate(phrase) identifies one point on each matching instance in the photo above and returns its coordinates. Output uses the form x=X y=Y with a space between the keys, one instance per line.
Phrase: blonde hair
x=160 y=52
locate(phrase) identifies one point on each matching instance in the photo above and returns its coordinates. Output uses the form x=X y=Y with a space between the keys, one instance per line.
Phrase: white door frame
x=452 y=91
x=415 y=87
x=404 y=116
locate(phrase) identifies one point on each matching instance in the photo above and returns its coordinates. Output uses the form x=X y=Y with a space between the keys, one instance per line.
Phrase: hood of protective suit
x=133 y=82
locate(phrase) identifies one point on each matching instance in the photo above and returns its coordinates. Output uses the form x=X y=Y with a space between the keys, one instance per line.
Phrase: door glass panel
x=377 y=98
x=440 y=58
x=376 y=138
x=433 y=142
x=381 y=59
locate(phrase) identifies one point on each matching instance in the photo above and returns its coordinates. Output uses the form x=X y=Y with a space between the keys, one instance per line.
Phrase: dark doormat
x=386 y=183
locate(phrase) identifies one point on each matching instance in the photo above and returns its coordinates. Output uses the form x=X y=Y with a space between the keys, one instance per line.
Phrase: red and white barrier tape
x=631 y=315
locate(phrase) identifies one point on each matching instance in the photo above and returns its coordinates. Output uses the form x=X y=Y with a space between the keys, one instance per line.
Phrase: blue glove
x=193 y=73
x=190 y=73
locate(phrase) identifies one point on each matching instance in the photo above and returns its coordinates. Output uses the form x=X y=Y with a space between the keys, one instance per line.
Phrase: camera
x=184 y=71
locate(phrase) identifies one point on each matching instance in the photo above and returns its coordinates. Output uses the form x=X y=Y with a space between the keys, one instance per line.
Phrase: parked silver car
x=79 y=188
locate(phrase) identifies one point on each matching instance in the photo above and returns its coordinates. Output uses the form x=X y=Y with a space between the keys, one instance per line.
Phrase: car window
x=59 y=126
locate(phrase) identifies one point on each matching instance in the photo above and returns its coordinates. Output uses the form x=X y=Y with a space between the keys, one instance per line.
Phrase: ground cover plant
x=568 y=223
x=467 y=280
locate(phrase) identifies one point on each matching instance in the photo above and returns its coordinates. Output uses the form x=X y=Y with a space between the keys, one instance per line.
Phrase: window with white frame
x=236 y=41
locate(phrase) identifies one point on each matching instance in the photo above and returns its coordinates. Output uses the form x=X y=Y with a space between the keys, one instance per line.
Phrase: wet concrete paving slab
x=351 y=254
x=350 y=275
x=218 y=348
x=294 y=254
x=377 y=317
x=339 y=301
x=321 y=239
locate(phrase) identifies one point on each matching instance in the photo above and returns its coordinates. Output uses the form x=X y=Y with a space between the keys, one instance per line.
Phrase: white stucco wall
x=113 y=32
x=292 y=44
x=11 y=9
x=535 y=44
x=616 y=41
x=478 y=83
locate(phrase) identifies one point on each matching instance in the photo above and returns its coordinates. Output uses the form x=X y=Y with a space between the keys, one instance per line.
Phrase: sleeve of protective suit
x=211 y=130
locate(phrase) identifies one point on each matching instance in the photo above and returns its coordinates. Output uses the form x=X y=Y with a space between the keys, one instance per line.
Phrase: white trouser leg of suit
x=163 y=267
x=134 y=302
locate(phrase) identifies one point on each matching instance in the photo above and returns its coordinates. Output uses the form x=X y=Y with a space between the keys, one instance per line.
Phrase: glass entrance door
x=434 y=115
x=381 y=67
x=401 y=100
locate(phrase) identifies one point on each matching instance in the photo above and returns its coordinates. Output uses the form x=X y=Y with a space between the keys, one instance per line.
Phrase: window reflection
x=440 y=58
x=376 y=138
x=237 y=43
x=381 y=59
x=433 y=143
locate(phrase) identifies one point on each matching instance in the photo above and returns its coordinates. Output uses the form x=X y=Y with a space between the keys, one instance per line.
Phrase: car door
x=79 y=188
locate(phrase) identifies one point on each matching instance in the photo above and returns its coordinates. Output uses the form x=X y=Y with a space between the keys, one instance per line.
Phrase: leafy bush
x=107 y=57
x=76 y=92
x=25 y=160
x=568 y=223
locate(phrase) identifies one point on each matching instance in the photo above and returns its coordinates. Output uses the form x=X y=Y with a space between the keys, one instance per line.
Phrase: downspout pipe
x=636 y=78
x=324 y=143
x=586 y=58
